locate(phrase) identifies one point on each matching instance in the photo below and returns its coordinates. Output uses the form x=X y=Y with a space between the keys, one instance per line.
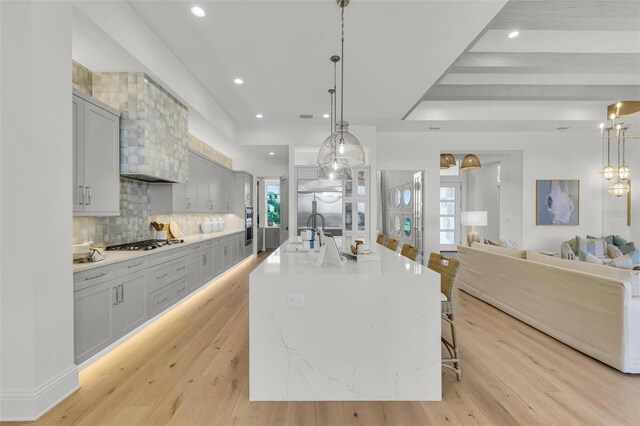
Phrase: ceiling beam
x=514 y=92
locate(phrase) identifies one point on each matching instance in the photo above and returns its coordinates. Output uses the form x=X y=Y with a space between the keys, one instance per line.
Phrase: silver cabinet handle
x=181 y=290
x=81 y=195
x=133 y=266
x=204 y=259
x=161 y=276
x=115 y=290
x=162 y=301
x=188 y=202
x=181 y=268
x=88 y=195
x=121 y=286
x=95 y=276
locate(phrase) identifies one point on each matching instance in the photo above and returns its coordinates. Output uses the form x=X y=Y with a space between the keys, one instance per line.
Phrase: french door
x=450 y=207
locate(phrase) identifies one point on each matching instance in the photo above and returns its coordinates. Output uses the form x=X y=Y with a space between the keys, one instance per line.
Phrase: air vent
x=306 y=116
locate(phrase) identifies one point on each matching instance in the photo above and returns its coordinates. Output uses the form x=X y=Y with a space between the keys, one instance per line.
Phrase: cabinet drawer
x=162 y=275
x=210 y=244
x=194 y=248
x=85 y=279
x=160 y=299
x=171 y=254
x=134 y=265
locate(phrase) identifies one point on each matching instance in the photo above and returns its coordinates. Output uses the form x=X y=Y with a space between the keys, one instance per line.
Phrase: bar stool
x=447 y=268
x=392 y=244
x=380 y=239
x=409 y=251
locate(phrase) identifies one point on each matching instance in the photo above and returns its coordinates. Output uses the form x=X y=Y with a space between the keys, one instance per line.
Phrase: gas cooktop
x=145 y=245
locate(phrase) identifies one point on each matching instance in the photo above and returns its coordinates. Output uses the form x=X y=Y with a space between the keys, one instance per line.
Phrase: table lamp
x=473 y=219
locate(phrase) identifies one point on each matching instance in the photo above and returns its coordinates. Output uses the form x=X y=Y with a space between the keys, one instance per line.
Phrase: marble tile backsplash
x=82 y=78
x=134 y=222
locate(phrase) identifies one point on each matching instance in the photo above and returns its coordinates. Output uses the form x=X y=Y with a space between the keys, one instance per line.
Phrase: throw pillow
x=508 y=244
x=627 y=248
x=619 y=241
x=622 y=262
x=613 y=251
x=608 y=239
x=588 y=257
x=635 y=256
x=596 y=247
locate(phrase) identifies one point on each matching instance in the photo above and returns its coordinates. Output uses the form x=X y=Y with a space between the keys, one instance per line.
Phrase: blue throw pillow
x=635 y=257
x=619 y=241
x=627 y=248
x=608 y=239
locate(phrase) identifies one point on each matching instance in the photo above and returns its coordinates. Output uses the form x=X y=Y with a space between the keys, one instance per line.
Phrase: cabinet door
x=218 y=260
x=194 y=267
x=207 y=266
x=132 y=308
x=183 y=197
x=101 y=133
x=94 y=321
x=78 y=154
x=235 y=251
x=227 y=258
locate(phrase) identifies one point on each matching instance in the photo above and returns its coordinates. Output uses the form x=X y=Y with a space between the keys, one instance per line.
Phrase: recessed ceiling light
x=258 y=115
x=198 y=11
x=238 y=81
x=272 y=153
x=326 y=116
x=514 y=34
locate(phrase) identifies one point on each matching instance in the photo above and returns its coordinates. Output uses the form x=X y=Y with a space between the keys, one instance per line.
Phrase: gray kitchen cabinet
x=194 y=266
x=96 y=157
x=208 y=271
x=94 y=320
x=131 y=310
x=242 y=192
x=218 y=259
x=248 y=250
x=235 y=251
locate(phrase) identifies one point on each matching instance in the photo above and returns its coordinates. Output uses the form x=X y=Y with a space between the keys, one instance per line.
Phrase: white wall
x=36 y=283
x=483 y=195
x=556 y=155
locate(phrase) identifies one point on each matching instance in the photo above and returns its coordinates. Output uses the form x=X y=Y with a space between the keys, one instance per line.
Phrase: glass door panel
x=450 y=206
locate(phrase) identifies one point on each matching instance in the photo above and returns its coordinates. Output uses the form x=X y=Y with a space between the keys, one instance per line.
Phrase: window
x=273 y=205
x=449 y=216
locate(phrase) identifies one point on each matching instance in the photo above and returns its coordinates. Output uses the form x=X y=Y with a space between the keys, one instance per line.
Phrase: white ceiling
x=281 y=49
x=571 y=59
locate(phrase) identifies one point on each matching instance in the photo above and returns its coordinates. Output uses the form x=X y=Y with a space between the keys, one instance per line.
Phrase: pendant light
x=621 y=187
x=608 y=172
x=444 y=162
x=624 y=172
x=348 y=146
x=329 y=165
x=450 y=159
x=470 y=162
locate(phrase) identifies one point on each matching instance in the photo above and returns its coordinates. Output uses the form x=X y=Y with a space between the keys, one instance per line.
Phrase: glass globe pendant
x=619 y=189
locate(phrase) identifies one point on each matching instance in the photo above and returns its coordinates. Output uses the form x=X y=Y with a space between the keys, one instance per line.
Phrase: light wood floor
x=191 y=367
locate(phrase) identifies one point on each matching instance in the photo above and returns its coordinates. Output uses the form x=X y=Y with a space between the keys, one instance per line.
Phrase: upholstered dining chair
x=392 y=244
x=380 y=239
x=409 y=251
x=447 y=268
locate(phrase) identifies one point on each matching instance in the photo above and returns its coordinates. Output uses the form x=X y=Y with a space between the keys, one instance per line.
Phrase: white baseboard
x=28 y=405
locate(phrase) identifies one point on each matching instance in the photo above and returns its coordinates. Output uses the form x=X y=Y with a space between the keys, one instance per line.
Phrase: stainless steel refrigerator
x=324 y=197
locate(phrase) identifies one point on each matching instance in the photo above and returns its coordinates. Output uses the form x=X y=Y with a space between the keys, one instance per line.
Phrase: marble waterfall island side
x=367 y=331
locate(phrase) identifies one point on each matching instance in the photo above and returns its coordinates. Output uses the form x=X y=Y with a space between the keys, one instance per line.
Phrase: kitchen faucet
x=311 y=216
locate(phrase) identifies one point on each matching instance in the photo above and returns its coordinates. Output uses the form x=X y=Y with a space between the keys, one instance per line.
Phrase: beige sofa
x=592 y=308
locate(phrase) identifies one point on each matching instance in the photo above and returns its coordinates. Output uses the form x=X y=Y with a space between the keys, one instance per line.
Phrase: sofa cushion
x=510 y=244
x=521 y=254
x=623 y=262
x=596 y=247
x=632 y=277
x=589 y=258
x=619 y=241
x=492 y=243
x=627 y=248
x=608 y=239
x=613 y=251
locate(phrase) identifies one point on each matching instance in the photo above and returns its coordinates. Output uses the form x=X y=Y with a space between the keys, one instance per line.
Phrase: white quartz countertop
x=389 y=263
x=112 y=257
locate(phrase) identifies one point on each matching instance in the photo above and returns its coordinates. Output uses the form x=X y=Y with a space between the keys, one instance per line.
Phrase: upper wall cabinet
x=96 y=152
x=242 y=192
x=210 y=190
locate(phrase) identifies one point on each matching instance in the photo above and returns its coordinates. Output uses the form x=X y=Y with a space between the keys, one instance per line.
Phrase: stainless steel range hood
x=153 y=127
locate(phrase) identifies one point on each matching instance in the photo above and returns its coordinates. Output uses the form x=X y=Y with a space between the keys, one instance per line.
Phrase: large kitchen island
x=364 y=331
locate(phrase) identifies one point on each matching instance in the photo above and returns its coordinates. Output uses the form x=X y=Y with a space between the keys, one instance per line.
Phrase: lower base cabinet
x=129 y=293
x=105 y=312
